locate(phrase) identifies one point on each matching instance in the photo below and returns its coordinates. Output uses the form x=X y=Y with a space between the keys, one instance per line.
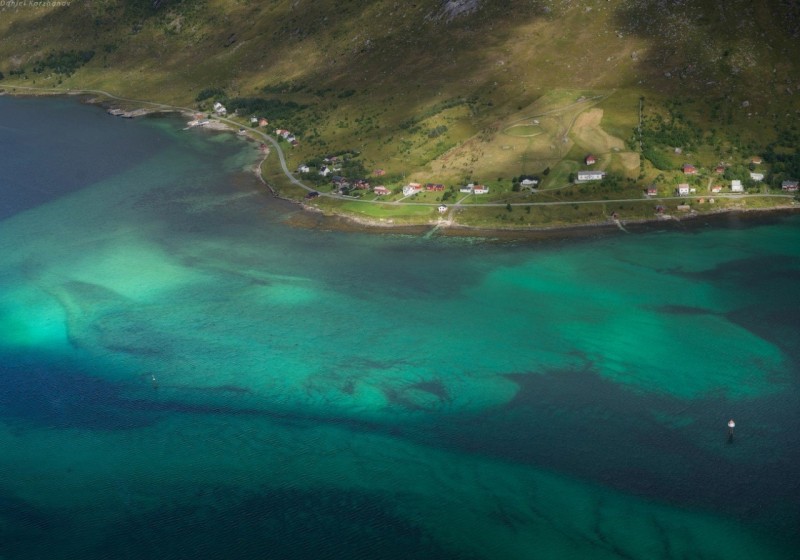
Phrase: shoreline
x=313 y=218
x=728 y=219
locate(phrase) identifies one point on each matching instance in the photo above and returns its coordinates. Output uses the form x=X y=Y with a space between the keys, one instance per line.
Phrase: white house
x=303 y=169
x=736 y=186
x=683 y=189
x=324 y=171
x=756 y=176
x=590 y=176
x=442 y=209
x=220 y=109
x=474 y=189
x=411 y=188
x=529 y=183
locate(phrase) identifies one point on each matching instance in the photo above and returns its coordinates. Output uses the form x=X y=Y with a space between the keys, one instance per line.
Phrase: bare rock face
x=455 y=8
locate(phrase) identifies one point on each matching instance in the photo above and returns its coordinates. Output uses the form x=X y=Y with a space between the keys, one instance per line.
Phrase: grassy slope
x=364 y=68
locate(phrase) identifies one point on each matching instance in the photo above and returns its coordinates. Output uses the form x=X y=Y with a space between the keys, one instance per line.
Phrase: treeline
x=271 y=108
x=783 y=157
x=63 y=62
x=209 y=93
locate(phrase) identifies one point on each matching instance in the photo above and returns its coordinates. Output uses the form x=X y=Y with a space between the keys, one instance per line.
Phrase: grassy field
x=513 y=88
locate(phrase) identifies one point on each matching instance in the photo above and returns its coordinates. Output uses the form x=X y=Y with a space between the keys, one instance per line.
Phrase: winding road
x=297 y=182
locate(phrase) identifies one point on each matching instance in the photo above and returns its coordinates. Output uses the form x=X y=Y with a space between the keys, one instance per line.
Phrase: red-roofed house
x=689 y=169
x=434 y=187
x=381 y=190
x=590 y=160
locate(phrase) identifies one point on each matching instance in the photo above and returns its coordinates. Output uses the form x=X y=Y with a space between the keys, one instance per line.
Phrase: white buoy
x=731 y=426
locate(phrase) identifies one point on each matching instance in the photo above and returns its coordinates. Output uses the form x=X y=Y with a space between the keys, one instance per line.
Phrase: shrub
x=210 y=92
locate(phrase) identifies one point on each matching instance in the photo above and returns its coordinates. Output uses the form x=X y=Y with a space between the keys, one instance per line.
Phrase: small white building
x=303 y=169
x=590 y=176
x=324 y=171
x=442 y=209
x=529 y=183
x=756 y=176
x=736 y=186
x=220 y=109
x=411 y=188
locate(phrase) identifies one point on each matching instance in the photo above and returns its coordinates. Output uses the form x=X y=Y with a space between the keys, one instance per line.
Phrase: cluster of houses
x=414 y=188
x=343 y=184
x=474 y=189
x=286 y=135
x=587 y=175
x=256 y=121
x=736 y=185
x=220 y=109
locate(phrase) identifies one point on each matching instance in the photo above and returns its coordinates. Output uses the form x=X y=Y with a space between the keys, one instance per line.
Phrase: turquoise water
x=184 y=375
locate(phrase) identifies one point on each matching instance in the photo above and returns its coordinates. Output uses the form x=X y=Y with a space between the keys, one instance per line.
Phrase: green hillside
x=452 y=91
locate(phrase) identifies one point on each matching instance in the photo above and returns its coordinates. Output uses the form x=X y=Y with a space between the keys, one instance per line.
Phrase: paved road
x=294 y=180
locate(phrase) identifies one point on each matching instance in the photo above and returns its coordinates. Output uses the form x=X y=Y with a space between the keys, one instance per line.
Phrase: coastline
x=313 y=218
x=733 y=219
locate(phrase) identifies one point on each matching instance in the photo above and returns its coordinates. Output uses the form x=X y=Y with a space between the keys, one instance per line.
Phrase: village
x=344 y=179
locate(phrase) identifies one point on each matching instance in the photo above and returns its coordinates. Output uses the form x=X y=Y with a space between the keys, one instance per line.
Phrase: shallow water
x=184 y=375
